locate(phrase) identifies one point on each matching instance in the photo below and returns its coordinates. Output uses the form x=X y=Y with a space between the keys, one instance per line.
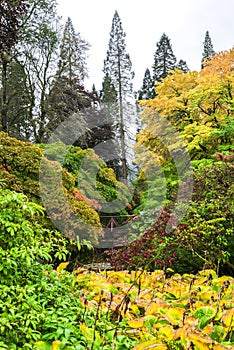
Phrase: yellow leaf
x=153 y=344
x=200 y=346
x=154 y=308
x=198 y=337
x=88 y=333
x=206 y=296
x=137 y=323
x=191 y=321
x=208 y=329
x=228 y=318
x=62 y=266
x=158 y=274
x=220 y=280
x=175 y=315
x=115 y=276
x=199 y=281
x=134 y=309
x=208 y=272
x=221 y=347
x=198 y=304
x=166 y=332
x=179 y=333
x=56 y=345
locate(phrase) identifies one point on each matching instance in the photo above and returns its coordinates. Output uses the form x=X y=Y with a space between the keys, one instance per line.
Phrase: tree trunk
x=4 y=96
x=122 y=131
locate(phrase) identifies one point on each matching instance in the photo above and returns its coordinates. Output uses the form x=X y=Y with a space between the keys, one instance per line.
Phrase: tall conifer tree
x=12 y=16
x=147 y=91
x=182 y=65
x=208 y=51
x=73 y=54
x=19 y=102
x=109 y=94
x=164 y=59
x=67 y=95
x=118 y=67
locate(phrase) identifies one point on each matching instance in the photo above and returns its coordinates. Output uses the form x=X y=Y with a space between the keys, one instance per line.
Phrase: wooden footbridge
x=116 y=230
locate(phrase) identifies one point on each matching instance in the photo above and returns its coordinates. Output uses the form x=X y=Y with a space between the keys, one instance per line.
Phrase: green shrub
x=37 y=303
x=205 y=236
x=19 y=170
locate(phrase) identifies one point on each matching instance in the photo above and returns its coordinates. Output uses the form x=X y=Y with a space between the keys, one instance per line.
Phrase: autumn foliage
x=19 y=171
x=199 y=105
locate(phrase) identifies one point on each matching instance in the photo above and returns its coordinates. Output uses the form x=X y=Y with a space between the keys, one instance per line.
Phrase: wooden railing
x=113 y=220
x=116 y=229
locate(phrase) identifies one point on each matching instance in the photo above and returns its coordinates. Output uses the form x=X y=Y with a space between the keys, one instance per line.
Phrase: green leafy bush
x=24 y=240
x=19 y=171
x=208 y=238
x=38 y=304
x=205 y=237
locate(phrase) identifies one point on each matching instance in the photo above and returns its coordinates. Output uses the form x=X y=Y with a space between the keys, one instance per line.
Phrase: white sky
x=184 y=21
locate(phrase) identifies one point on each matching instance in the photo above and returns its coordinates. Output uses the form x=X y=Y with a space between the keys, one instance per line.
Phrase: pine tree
x=118 y=67
x=182 y=65
x=72 y=62
x=164 y=59
x=208 y=51
x=147 y=91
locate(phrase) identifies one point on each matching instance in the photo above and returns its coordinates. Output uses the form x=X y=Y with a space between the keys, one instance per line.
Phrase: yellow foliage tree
x=199 y=104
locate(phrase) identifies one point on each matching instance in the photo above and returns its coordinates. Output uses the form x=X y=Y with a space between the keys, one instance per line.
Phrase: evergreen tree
x=12 y=16
x=118 y=67
x=19 y=102
x=208 y=51
x=164 y=59
x=67 y=95
x=109 y=94
x=182 y=65
x=65 y=98
x=73 y=54
x=95 y=92
x=109 y=105
x=147 y=91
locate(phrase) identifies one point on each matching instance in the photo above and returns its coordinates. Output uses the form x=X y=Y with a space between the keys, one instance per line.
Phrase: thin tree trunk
x=122 y=131
x=41 y=131
x=4 y=96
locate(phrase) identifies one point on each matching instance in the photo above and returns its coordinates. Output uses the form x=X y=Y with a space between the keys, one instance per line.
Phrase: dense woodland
x=68 y=158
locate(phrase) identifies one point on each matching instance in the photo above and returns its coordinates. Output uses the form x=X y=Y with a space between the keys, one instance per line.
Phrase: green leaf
x=149 y=321
x=42 y=345
x=204 y=314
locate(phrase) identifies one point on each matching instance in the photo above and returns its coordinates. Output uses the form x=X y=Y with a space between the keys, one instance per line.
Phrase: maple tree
x=20 y=165
x=200 y=106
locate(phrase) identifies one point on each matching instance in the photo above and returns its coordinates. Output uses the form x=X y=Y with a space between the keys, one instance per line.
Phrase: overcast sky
x=184 y=21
